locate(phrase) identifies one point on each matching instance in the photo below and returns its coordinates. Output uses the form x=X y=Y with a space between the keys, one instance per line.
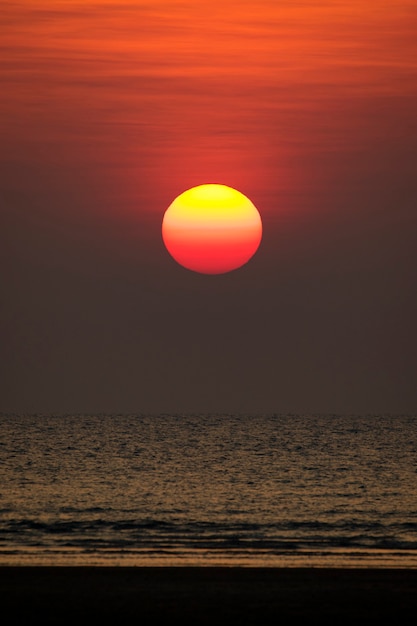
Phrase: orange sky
x=217 y=74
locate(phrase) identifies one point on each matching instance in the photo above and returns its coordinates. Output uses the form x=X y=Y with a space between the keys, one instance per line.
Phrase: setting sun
x=212 y=229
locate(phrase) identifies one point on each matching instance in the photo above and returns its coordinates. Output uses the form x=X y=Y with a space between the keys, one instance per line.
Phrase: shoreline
x=205 y=595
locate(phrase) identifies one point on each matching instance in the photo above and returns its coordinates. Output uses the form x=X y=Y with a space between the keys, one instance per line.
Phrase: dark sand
x=206 y=595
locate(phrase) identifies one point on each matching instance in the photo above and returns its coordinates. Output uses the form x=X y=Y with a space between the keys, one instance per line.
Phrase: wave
x=155 y=534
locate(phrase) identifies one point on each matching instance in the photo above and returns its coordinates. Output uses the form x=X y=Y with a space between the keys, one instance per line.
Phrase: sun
x=212 y=229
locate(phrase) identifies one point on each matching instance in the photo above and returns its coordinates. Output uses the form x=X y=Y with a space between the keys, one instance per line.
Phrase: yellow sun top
x=211 y=205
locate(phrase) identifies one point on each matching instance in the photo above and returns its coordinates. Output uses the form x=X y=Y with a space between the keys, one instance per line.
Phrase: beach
x=206 y=595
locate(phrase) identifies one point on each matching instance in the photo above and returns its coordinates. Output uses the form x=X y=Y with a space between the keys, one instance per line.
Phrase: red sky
x=111 y=109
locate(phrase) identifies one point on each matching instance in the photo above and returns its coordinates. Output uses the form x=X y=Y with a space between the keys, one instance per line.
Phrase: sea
x=201 y=489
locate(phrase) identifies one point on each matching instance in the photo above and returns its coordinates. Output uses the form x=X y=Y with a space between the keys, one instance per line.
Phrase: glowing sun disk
x=212 y=229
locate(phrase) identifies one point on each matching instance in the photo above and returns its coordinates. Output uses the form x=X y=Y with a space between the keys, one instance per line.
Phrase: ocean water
x=269 y=490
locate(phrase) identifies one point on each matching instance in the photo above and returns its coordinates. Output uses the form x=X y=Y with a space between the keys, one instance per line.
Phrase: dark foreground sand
x=207 y=595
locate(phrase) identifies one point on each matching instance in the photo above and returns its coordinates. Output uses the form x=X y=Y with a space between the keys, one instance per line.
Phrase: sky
x=109 y=110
